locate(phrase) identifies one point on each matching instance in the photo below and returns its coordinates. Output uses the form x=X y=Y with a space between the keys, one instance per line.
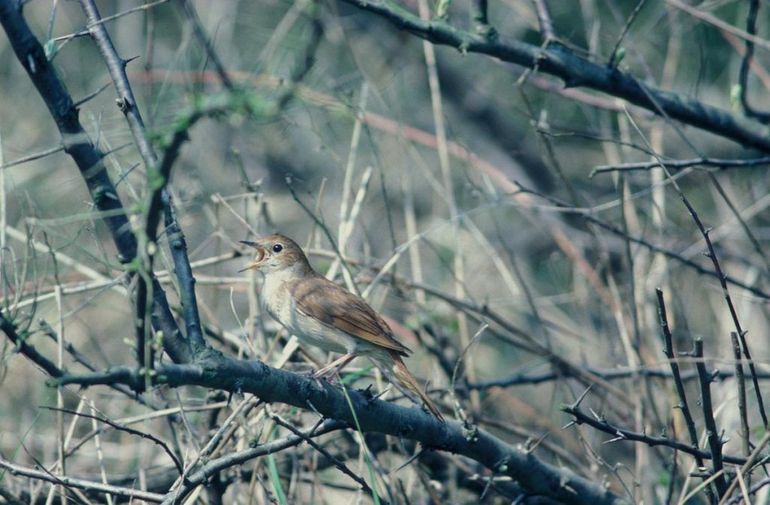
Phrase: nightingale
x=322 y=313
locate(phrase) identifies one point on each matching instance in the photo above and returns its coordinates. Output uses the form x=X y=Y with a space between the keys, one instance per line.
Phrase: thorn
x=530 y=447
x=123 y=103
x=581 y=397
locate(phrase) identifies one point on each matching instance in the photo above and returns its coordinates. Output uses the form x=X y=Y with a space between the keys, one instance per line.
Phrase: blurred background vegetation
x=481 y=186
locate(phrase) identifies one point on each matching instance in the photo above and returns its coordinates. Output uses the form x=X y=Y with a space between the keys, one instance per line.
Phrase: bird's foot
x=330 y=376
x=323 y=373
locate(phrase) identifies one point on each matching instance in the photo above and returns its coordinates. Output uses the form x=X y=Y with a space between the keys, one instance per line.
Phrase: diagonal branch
x=372 y=415
x=89 y=161
x=211 y=468
x=203 y=40
x=74 y=138
x=19 y=341
x=562 y=62
x=156 y=181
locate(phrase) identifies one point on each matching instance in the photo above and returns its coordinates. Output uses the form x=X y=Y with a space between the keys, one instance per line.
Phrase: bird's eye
x=277 y=248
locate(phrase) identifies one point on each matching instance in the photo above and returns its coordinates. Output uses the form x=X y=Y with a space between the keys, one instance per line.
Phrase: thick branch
x=274 y=385
x=88 y=159
x=127 y=104
x=10 y=330
x=178 y=246
x=575 y=70
x=74 y=138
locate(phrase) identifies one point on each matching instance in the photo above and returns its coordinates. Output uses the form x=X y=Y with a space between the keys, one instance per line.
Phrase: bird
x=326 y=315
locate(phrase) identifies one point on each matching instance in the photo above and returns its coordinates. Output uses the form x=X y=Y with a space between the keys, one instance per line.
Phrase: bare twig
x=607 y=374
x=614 y=55
x=131 y=431
x=217 y=465
x=745 y=434
x=728 y=299
x=720 y=164
x=128 y=105
x=588 y=216
x=678 y=382
x=329 y=456
x=684 y=406
x=200 y=34
x=712 y=435
x=753 y=459
x=713 y=20
x=622 y=434
x=32 y=157
x=79 y=483
x=743 y=76
x=544 y=20
x=87 y=157
x=184 y=274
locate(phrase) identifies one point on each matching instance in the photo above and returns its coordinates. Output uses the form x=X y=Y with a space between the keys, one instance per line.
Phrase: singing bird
x=324 y=314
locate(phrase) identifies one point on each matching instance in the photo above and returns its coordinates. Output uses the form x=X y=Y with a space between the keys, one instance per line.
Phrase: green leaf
x=735 y=97
x=351 y=377
x=50 y=49
x=367 y=457
x=275 y=480
x=442 y=9
x=619 y=55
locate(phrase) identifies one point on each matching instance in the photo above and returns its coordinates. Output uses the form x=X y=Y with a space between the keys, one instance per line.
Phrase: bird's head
x=276 y=253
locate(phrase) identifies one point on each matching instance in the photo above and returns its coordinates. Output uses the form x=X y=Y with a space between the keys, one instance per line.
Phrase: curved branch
x=372 y=415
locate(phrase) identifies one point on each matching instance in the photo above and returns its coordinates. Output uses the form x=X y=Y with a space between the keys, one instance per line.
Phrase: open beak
x=257 y=259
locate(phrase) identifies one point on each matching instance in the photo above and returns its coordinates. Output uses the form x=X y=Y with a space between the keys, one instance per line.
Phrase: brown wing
x=331 y=304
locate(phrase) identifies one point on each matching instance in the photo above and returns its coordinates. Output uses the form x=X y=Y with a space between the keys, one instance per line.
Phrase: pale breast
x=280 y=304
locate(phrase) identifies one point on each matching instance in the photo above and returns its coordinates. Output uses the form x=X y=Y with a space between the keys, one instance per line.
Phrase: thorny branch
x=562 y=62
x=197 y=364
x=372 y=415
x=213 y=370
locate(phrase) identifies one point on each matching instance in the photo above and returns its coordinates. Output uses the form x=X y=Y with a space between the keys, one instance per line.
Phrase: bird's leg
x=335 y=366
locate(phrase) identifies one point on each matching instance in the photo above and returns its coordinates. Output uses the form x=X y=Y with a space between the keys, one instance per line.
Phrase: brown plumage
x=324 y=314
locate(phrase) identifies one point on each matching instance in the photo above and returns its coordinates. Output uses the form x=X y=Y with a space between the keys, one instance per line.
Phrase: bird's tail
x=394 y=368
